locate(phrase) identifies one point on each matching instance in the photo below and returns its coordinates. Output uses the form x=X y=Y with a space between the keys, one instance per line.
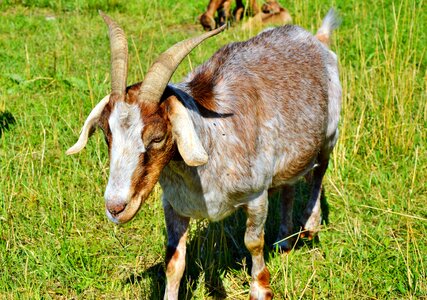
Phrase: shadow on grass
x=216 y=249
x=7 y=120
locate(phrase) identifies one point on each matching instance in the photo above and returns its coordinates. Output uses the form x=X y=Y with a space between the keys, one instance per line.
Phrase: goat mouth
x=128 y=213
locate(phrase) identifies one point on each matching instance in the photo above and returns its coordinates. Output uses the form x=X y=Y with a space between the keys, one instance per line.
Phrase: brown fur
x=172 y=255
x=271 y=7
x=324 y=38
x=153 y=161
x=202 y=89
x=280 y=18
x=207 y=19
x=263 y=278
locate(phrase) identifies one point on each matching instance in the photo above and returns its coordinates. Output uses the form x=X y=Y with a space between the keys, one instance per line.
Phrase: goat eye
x=157 y=140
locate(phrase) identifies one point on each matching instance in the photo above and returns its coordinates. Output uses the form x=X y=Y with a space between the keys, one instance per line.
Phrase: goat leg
x=207 y=19
x=224 y=12
x=256 y=211
x=287 y=196
x=177 y=228
x=238 y=10
x=312 y=214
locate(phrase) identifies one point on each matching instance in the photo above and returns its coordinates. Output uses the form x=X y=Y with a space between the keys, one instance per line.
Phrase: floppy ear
x=189 y=145
x=88 y=126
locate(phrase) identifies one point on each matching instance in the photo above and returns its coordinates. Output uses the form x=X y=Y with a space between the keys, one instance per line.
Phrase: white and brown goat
x=254 y=118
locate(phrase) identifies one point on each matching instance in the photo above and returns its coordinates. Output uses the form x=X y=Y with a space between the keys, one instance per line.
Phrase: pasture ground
x=55 y=240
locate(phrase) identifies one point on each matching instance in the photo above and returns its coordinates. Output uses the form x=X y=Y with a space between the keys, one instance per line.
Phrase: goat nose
x=116 y=208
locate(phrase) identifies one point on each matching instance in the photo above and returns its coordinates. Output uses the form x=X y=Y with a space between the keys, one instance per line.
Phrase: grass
x=55 y=241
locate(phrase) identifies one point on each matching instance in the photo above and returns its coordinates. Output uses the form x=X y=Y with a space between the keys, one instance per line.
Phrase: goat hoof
x=309 y=234
x=310 y=227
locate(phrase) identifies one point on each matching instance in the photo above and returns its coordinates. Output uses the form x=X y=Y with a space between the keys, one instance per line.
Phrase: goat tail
x=329 y=23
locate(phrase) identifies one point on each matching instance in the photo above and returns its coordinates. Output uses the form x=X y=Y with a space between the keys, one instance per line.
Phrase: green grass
x=55 y=240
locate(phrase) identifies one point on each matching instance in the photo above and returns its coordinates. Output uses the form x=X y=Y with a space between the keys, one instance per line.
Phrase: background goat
x=254 y=118
x=270 y=13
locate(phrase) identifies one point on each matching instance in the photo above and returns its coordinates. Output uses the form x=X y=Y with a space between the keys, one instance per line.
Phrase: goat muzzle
x=115 y=208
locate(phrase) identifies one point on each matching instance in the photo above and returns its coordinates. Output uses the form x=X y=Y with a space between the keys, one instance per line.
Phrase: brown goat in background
x=270 y=13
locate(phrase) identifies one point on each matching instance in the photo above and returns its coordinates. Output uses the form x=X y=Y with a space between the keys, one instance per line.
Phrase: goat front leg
x=256 y=211
x=177 y=228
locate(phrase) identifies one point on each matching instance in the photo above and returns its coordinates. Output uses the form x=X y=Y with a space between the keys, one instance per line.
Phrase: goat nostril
x=115 y=209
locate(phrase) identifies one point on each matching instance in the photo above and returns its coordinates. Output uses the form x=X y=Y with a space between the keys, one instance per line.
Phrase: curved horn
x=165 y=65
x=119 y=57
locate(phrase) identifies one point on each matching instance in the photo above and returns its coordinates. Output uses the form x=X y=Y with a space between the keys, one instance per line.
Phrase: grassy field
x=55 y=240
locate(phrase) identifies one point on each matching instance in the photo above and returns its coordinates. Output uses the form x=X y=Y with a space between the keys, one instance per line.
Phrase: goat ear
x=189 y=145
x=88 y=126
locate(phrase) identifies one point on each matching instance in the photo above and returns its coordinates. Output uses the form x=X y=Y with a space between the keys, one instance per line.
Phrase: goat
x=254 y=118
x=270 y=13
x=273 y=13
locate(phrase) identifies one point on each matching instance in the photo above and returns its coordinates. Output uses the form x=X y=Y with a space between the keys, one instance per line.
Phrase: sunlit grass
x=55 y=241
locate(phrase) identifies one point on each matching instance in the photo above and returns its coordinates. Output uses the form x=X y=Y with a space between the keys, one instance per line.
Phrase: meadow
x=57 y=243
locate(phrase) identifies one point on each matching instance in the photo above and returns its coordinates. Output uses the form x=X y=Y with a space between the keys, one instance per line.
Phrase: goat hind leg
x=311 y=219
x=287 y=195
x=177 y=228
x=256 y=211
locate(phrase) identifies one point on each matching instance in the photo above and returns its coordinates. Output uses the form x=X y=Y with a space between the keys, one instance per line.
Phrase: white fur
x=126 y=126
x=329 y=23
x=186 y=137
x=334 y=104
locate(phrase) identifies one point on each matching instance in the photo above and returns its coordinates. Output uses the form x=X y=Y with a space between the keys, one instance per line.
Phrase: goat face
x=142 y=131
x=142 y=139
x=140 y=144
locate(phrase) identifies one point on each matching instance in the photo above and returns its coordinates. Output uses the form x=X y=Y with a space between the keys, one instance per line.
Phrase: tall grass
x=55 y=241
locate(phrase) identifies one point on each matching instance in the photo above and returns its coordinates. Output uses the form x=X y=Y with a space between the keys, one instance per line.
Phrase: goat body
x=260 y=108
x=253 y=119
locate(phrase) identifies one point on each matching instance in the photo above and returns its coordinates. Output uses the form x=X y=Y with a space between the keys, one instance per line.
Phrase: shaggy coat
x=253 y=119
x=260 y=109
